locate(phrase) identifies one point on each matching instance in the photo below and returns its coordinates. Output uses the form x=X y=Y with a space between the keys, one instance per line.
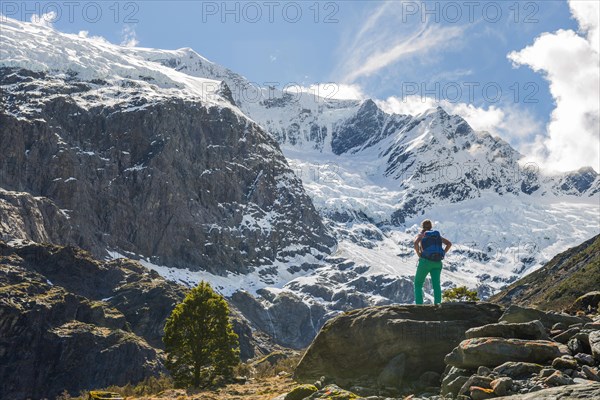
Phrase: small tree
x=199 y=339
x=461 y=293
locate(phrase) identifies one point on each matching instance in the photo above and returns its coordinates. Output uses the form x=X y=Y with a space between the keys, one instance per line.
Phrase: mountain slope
x=166 y=157
x=147 y=161
x=558 y=283
x=71 y=322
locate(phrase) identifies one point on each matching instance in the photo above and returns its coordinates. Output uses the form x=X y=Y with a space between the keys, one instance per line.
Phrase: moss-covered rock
x=301 y=392
x=333 y=392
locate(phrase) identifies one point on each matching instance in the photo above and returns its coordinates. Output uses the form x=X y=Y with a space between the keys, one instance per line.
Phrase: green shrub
x=199 y=340
x=460 y=293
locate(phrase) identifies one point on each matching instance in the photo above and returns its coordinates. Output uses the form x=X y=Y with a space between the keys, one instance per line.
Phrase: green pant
x=428 y=267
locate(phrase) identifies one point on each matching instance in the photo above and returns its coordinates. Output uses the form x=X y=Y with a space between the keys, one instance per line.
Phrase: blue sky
x=390 y=51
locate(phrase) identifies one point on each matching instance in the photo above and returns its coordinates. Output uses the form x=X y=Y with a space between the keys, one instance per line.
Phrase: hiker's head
x=426 y=225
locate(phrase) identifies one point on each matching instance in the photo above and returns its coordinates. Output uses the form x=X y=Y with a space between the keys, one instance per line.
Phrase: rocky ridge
x=70 y=322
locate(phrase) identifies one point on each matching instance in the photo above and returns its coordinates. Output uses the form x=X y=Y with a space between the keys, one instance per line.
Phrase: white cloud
x=385 y=38
x=570 y=62
x=45 y=19
x=129 y=36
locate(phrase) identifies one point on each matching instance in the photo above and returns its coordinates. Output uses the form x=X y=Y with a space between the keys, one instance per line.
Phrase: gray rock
x=453 y=386
x=571 y=392
x=393 y=373
x=59 y=334
x=575 y=345
x=361 y=343
x=587 y=303
x=594 y=338
x=591 y=373
x=584 y=359
x=592 y=326
x=429 y=379
x=492 y=352
x=483 y=371
x=559 y=326
x=516 y=314
x=558 y=379
x=518 y=370
x=565 y=336
x=287 y=319
x=475 y=380
x=546 y=372
x=564 y=363
x=533 y=330
x=501 y=386
x=451 y=382
x=479 y=393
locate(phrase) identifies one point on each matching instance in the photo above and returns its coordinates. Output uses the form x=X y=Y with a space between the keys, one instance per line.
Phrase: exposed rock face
x=358 y=345
x=23 y=216
x=368 y=126
x=70 y=322
x=53 y=339
x=191 y=185
x=287 y=319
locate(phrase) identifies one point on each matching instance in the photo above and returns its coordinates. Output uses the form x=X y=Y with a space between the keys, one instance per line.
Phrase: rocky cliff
x=146 y=161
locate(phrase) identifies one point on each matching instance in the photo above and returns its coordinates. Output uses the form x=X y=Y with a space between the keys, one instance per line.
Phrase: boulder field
x=453 y=350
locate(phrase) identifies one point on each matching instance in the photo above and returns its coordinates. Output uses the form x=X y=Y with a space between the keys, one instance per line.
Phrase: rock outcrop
x=391 y=352
x=70 y=322
x=359 y=345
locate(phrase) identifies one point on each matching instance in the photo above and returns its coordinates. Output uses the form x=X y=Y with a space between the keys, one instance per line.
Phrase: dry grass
x=265 y=381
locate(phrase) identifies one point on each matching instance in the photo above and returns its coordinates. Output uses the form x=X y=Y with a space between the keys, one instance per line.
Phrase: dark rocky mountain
x=187 y=185
x=560 y=282
x=70 y=322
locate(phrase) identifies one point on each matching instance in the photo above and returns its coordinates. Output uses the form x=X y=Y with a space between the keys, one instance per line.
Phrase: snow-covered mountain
x=372 y=176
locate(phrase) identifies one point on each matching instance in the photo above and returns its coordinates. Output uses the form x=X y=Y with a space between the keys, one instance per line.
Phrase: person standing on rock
x=428 y=246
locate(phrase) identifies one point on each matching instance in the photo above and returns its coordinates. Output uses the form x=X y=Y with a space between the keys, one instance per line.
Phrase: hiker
x=428 y=246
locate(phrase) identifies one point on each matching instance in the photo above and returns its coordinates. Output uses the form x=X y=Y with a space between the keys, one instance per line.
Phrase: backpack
x=432 y=246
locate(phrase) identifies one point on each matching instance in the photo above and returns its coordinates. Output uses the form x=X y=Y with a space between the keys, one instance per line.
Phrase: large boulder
x=571 y=392
x=533 y=330
x=518 y=314
x=359 y=345
x=491 y=352
x=589 y=302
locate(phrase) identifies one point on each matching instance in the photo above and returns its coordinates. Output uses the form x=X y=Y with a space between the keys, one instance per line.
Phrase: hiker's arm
x=447 y=244
x=417 y=246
